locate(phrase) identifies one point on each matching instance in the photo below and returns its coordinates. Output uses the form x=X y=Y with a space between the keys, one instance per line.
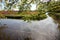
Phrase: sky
x=33 y=6
x=1 y=6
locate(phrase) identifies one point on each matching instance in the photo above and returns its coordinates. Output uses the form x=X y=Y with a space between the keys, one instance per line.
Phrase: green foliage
x=25 y=5
x=25 y=15
x=37 y=16
x=2 y=16
x=54 y=7
x=42 y=7
x=55 y=15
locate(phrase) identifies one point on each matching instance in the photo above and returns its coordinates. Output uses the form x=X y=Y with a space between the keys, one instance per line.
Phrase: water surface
x=13 y=29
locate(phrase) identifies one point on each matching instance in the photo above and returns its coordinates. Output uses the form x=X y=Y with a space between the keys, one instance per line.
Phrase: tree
x=9 y=4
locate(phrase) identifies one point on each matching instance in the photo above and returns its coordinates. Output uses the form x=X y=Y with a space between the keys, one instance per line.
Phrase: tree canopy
x=41 y=5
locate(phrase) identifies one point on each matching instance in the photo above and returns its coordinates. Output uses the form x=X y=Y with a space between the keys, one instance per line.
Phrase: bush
x=2 y=16
x=37 y=16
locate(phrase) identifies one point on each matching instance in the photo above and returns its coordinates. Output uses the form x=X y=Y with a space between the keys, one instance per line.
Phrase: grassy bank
x=25 y=15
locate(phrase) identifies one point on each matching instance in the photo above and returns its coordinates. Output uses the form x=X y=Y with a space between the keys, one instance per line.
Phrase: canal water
x=13 y=29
